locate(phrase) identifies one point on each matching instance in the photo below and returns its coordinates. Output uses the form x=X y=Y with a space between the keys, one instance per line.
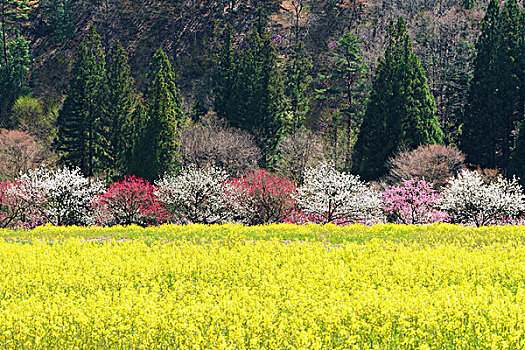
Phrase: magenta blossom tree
x=131 y=201
x=413 y=202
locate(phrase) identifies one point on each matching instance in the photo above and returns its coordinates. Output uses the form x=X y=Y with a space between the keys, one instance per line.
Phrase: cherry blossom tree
x=412 y=202
x=330 y=196
x=195 y=195
x=62 y=196
x=468 y=199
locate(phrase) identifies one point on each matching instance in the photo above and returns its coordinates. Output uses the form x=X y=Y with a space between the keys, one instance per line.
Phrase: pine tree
x=345 y=93
x=252 y=97
x=495 y=100
x=80 y=138
x=119 y=101
x=156 y=146
x=401 y=111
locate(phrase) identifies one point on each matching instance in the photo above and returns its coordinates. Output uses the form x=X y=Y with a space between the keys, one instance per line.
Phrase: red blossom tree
x=260 y=197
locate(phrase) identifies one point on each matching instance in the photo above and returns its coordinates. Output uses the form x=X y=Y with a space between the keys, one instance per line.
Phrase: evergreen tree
x=297 y=81
x=80 y=138
x=156 y=146
x=225 y=77
x=401 y=111
x=58 y=19
x=12 y=12
x=119 y=102
x=345 y=93
x=518 y=154
x=252 y=98
x=495 y=101
x=13 y=78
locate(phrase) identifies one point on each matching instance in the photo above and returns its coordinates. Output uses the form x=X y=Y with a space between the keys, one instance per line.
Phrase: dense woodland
x=147 y=87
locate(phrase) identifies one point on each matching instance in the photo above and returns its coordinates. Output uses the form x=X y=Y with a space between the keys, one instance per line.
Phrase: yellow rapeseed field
x=268 y=287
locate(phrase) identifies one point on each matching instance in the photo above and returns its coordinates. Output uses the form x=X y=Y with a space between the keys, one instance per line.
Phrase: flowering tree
x=412 y=202
x=17 y=206
x=63 y=196
x=332 y=196
x=195 y=195
x=259 y=197
x=131 y=201
x=468 y=199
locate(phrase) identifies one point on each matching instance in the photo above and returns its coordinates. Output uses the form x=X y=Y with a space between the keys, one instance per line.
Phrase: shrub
x=328 y=195
x=195 y=195
x=468 y=199
x=413 y=202
x=131 y=201
x=217 y=146
x=63 y=196
x=435 y=163
x=259 y=197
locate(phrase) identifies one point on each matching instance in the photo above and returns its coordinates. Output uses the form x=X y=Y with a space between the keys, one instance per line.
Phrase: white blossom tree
x=468 y=199
x=195 y=195
x=65 y=195
x=332 y=196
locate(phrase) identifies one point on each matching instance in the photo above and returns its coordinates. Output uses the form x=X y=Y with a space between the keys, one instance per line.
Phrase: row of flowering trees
x=65 y=197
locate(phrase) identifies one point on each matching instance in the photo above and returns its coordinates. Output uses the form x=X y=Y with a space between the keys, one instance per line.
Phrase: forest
x=145 y=88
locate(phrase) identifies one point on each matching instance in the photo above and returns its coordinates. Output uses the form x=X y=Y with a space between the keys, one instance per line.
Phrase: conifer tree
x=225 y=76
x=495 y=100
x=345 y=93
x=11 y=13
x=119 y=101
x=252 y=98
x=13 y=78
x=518 y=153
x=297 y=81
x=401 y=111
x=156 y=146
x=80 y=138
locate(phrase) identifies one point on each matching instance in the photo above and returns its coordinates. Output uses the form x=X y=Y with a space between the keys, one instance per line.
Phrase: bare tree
x=19 y=152
x=297 y=152
x=219 y=146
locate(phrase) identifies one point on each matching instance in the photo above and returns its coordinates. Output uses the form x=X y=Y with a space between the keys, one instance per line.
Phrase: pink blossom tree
x=413 y=202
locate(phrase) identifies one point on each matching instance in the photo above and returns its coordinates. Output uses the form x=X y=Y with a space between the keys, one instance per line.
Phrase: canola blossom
x=265 y=287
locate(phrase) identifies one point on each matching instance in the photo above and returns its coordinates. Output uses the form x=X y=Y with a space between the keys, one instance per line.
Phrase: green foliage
x=59 y=19
x=250 y=92
x=401 y=111
x=345 y=95
x=495 y=101
x=34 y=116
x=80 y=138
x=297 y=81
x=13 y=78
x=119 y=101
x=518 y=154
x=157 y=134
